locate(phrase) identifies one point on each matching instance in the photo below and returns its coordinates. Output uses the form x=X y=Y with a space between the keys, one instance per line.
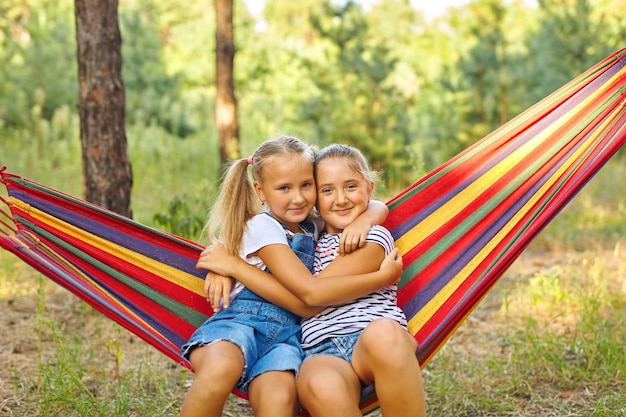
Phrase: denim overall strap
x=302 y=245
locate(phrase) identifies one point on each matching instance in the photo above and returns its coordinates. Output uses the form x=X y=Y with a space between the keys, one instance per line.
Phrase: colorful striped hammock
x=458 y=228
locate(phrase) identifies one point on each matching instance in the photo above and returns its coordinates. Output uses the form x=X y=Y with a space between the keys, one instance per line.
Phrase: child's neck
x=294 y=228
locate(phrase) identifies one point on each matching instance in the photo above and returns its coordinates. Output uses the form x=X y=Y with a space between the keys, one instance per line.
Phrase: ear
x=370 y=190
x=259 y=191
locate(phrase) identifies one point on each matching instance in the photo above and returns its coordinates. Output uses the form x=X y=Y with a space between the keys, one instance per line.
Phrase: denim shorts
x=339 y=346
x=268 y=336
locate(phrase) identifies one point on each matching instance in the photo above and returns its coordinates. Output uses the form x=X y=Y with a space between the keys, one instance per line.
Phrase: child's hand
x=392 y=265
x=353 y=236
x=218 y=288
x=216 y=259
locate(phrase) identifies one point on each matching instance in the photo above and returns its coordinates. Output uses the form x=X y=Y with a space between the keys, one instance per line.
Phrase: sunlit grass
x=554 y=346
x=548 y=340
x=164 y=166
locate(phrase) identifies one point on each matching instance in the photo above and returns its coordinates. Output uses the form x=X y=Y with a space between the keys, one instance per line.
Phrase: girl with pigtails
x=252 y=344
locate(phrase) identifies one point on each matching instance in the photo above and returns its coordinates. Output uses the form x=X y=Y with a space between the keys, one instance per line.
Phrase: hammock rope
x=458 y=229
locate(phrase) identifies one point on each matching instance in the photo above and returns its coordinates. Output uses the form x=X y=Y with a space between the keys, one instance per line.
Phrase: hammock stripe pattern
x=459 y=228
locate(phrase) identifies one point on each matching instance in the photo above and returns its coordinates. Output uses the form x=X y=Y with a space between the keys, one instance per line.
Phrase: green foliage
x=37 y=69
x=166 y=169
x=359 y=80
x=568 y=41
x=49 y=146
x=152 y=94
x=409 y=92
x=597 y=213
x=181 y=219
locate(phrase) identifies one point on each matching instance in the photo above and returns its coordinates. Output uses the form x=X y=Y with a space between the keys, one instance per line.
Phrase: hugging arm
x=217 y=288
x=354 y=235
x=264 y=285
x=346 y=278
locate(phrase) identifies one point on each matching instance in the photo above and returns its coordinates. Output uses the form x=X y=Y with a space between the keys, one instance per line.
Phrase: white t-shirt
x=356 y=315
x=263 y=230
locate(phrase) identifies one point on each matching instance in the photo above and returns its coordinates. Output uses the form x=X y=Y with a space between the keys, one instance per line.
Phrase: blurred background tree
x=410 y=90
x=107 y=175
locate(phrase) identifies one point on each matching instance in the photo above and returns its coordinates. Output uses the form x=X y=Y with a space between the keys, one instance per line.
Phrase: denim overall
x=304 y=247
x=268 y=335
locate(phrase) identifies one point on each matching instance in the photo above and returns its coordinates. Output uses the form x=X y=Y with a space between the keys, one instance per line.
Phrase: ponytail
x=236 y=203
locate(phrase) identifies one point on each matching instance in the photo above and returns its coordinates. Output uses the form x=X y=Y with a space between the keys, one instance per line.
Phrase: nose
x=298 y=197
x=341 y=197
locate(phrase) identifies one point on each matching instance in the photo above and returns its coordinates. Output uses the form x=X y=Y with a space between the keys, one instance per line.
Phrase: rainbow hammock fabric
x=458 y=228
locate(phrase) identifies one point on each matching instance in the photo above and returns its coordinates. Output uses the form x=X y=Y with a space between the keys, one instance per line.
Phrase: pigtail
x=236 y=203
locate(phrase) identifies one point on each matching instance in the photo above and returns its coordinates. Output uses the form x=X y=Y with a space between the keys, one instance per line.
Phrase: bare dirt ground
x=25 y=342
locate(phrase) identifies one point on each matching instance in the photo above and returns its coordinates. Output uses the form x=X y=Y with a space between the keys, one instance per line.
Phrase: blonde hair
x=355 y=158
x=237 y=201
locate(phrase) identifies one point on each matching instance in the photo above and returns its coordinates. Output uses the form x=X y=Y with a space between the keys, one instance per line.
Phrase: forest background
x=409 y=90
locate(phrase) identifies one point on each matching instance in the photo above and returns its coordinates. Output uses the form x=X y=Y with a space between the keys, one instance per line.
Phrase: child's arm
x=217 y=288
x=357 y=274
x=270 y=289
x=366 y=275
x=354 y=235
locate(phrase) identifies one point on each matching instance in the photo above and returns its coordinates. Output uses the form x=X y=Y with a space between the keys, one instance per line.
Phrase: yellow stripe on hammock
x=420 y=319
x=166 y=272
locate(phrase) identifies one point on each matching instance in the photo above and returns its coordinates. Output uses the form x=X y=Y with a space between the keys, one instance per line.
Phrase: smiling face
x=288 y=188
x=342 y=193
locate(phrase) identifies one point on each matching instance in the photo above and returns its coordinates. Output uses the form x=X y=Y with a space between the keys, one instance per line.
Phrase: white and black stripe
x=356 y=315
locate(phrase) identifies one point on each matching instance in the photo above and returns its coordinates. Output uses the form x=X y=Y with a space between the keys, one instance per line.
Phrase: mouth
x=343 y=212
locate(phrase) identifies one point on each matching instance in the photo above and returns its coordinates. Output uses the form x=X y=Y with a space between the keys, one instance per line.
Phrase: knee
x=273 y=391
x=210 y=364
x=386 y=340
x=283 y=397
x=322 y=386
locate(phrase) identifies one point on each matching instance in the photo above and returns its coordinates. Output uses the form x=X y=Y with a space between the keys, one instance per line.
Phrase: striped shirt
x=356 y=315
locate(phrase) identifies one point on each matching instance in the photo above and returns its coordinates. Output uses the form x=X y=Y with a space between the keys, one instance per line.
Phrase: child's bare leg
x=328 y=386
x=385 y=354
x=217 y=367
x=273 y=394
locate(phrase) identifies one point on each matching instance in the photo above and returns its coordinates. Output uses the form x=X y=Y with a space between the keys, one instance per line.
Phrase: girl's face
x=288 y=188
x=342 y=193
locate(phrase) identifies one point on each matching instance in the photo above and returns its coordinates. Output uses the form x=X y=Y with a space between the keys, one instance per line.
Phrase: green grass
x=548 y=340
x=553 y=338
x=165 y=168
x=557 y=347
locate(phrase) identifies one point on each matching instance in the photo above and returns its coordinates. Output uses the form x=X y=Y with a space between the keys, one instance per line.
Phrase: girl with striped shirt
x=365 y=341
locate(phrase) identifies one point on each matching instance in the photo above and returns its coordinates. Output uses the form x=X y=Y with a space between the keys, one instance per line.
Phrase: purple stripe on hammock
x=502 y=264
x=117 y=236
x=441 y=279
x=579 y=143
x=72 y=282
x=512 y=144
x=577 y=181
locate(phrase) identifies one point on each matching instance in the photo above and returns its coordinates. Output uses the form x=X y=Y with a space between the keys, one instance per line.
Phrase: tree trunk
x=107 y=173
x=225 y=102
